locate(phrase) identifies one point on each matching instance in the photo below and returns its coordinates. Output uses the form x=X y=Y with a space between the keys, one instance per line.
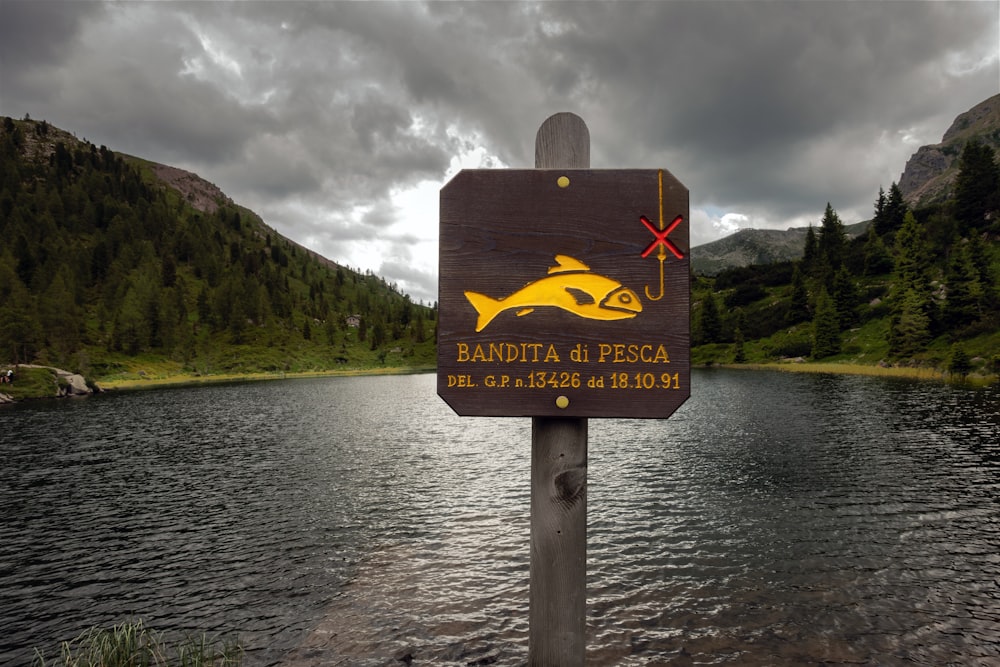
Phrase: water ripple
x=775 y=519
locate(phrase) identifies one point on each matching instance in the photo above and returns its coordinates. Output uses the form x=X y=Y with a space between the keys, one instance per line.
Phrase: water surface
x=774 y=519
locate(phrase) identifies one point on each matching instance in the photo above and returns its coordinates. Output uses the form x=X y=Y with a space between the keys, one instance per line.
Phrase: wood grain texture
x=562 y=142
x=501 y=230
x=558 y=541
x=558 y=600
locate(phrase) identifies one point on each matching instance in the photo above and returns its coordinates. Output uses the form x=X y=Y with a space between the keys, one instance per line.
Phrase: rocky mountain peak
x=930 y=173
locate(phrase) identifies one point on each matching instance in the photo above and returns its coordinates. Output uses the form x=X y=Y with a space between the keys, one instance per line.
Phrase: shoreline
x=189 y=380
x=140 y=383
x=899 y=372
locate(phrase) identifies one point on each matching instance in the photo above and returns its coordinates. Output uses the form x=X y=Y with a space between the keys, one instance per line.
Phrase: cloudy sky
x=339 y=122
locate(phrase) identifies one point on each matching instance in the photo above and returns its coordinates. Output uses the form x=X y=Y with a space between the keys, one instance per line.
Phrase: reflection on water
x=775 y=519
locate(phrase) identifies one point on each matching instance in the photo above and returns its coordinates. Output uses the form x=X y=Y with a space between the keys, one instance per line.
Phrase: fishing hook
x=662 y=254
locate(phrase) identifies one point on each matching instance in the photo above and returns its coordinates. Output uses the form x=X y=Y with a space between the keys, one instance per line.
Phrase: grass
x=149 y=381
x=864 y=351
x=132 y=644
x=914 y=373
x=30 y=383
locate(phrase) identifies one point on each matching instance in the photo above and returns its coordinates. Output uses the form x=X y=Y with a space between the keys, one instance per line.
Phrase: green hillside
x=107 y=270
x=920 y=289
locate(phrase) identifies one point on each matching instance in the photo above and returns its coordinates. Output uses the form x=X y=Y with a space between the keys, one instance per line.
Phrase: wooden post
x=558 y=597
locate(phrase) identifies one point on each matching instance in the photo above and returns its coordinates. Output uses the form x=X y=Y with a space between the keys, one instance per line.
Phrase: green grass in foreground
x=134 y=645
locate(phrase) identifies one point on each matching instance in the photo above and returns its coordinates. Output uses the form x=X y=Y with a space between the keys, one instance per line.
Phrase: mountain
x=111 y=264
x=919 y=288
x=746 y=247
x=930 y=173
x=929 y=177
x=756 y=246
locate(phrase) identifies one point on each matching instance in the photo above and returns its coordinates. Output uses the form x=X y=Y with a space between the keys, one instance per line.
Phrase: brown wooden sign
x=564 y=293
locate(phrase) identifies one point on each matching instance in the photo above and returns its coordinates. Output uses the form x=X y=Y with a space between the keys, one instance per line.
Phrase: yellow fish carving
x=571 y=286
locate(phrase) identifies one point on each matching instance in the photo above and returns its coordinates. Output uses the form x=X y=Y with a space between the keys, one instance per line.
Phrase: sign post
x=564 y=294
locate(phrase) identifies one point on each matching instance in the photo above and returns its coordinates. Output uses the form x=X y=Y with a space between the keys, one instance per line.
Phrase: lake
x=776 y=519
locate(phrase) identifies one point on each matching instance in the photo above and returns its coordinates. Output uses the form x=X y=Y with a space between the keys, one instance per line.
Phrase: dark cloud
x=318 y=114
x=36 y=35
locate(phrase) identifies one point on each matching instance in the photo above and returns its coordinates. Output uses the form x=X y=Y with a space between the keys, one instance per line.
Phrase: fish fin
x=486 y=307
x=566 y=263
x=582 y=297
x=525 y=311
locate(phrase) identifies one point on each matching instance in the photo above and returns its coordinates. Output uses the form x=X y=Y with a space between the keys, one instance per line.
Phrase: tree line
x=928 y=272
x=98 y=255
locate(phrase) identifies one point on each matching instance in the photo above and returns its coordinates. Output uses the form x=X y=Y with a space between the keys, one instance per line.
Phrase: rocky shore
x=65 y=384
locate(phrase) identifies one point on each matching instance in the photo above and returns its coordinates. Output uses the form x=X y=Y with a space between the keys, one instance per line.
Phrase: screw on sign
x=554 y=301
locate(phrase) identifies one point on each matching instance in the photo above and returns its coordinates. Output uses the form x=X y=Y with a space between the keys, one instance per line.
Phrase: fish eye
x=625 y=298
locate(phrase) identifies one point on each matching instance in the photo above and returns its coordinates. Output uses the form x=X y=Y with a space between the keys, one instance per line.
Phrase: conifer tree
x=879 y=219
x=798 y=311
x=709 y=324
x=910 y=298
x=909 y=326
x=895 y=211
x=977 y=187
x=912 y=253
x=739 y=323
x=964 y=301
x=845 y=298
x=739 y=354
x=832 y=238
x=810 y=251
x=878 y=260
x=960 y=364
x=826 y=327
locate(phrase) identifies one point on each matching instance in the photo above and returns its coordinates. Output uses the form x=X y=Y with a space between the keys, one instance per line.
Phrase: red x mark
x=661 y=237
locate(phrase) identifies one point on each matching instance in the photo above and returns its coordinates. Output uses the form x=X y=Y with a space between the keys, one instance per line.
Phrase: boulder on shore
x=67 y=383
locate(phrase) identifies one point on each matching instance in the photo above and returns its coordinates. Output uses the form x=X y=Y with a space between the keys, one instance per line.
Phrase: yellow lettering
x=463 y=353
x=551 y=355
x=624 y=353
x=661 y=356
x=460 y=381
x=496 y=350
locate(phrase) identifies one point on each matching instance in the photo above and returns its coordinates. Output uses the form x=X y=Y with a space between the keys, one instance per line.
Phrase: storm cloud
x=339 y=121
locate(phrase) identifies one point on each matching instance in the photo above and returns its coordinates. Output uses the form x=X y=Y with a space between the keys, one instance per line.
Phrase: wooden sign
x=564 y=292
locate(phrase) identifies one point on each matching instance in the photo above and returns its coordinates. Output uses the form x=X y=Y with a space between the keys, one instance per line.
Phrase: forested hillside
x=106 y=269
x=920 y=288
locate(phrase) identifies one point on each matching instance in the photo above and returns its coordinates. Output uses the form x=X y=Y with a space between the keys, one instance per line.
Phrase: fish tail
x=487 y=307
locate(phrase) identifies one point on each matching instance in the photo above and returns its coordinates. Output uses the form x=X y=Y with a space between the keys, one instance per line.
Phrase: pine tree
x=59 y=316
x=810 y=251
x=878 y=260
x=739 y=323
x=909 y=327
x=912 y=255
x=895 y=211
x=845 y=298
x=798 y=311
x=960 y=364
x=739 y=354
x=826 y=327
x=879 y=221
x=964 y=303
x=910 y=299
x=832 y=239
x=977 y=186
x=709 y=324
